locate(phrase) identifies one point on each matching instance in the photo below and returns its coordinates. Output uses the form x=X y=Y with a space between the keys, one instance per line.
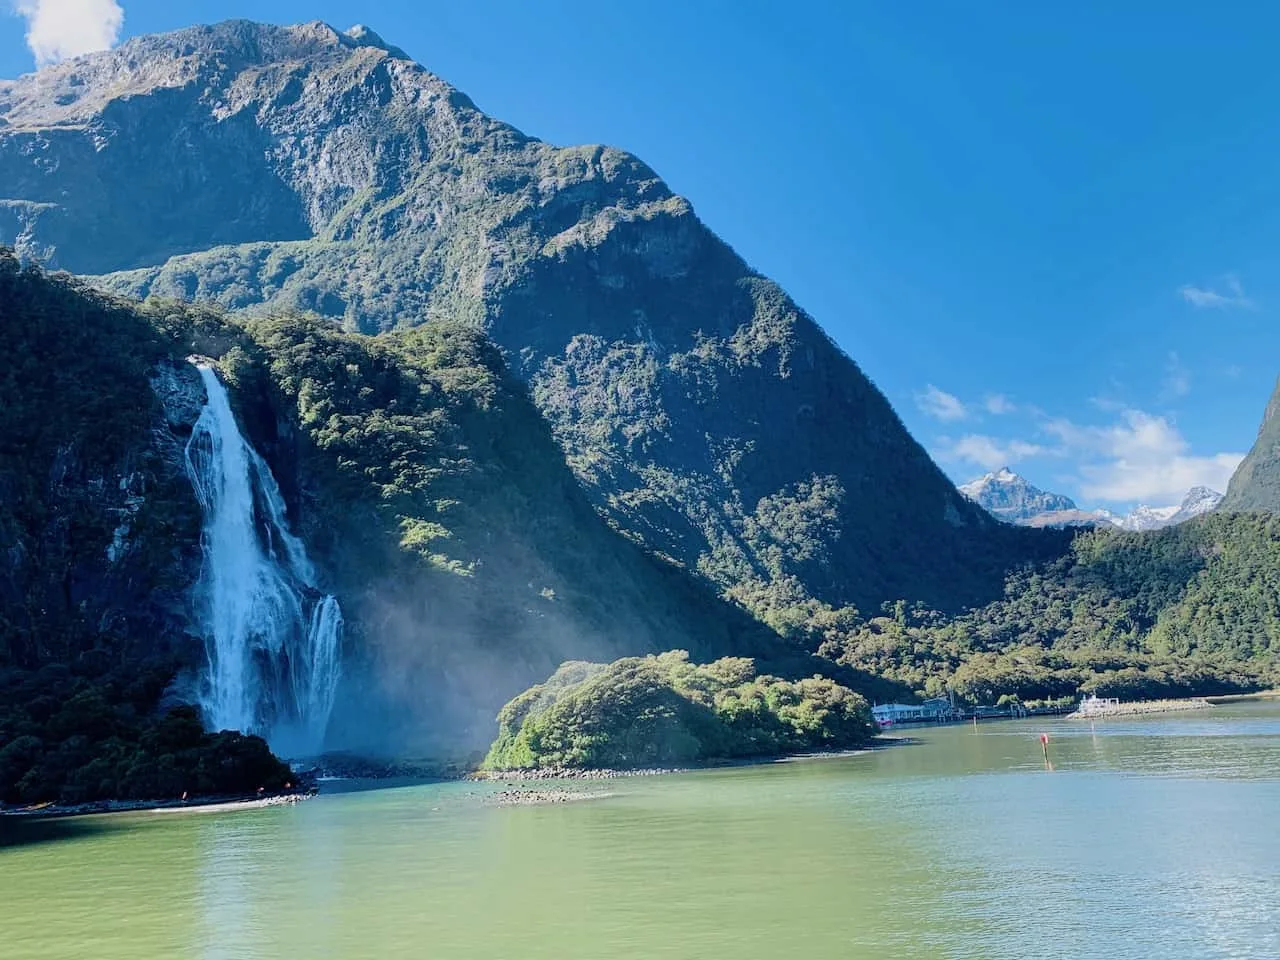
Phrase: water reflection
x=229 y=884
x=1149 y=840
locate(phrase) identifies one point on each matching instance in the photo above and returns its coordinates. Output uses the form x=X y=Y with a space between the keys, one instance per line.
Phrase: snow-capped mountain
x=1012 y=498
x=1007 y=496
x=1141 y=517
x=1197 y=501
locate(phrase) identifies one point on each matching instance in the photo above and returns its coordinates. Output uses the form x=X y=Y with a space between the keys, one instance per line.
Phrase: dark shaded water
x=1152 y=837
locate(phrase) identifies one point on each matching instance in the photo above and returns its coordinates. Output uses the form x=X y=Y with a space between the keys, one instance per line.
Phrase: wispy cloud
x=1177 y=379
x=941 y=405
x=990 y=453
x=1231 y=295
x=60 y=29
x=999 y=405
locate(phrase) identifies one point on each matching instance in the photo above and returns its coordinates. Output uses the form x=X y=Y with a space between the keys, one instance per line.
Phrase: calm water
x=1154 y=837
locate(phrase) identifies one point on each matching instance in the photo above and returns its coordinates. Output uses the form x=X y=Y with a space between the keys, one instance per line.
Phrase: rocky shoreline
x=49 y=811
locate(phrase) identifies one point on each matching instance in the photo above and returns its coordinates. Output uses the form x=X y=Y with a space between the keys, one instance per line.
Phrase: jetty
x=1097 y=708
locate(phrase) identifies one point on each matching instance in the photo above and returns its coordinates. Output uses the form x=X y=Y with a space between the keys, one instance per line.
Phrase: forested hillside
x=1193 y=608
x=427 y=487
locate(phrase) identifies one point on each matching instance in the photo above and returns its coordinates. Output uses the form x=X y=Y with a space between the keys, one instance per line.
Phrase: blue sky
x=1049 y=233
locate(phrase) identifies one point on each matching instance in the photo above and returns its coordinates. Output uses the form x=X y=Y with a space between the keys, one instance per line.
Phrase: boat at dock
x=1096 y=708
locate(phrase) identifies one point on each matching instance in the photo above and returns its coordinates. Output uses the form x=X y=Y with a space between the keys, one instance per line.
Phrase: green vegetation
x=101 y=540
x=427 y=486
x=75 y=734
x=656 y=710
x=438 y=505
x=432 y=491
x=1190 y=609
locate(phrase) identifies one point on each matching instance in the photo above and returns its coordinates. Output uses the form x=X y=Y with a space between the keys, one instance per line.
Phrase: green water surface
x=1152 y=837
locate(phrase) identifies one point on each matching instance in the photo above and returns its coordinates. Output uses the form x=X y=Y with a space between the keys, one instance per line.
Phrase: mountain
x=705 y=415
x=1198 y=501
x=1009 y=497
x=1142 y=517
x=1256 y=482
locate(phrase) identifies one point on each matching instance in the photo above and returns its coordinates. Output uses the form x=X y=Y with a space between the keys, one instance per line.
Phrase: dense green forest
x=655 y=710
x=1193 y=608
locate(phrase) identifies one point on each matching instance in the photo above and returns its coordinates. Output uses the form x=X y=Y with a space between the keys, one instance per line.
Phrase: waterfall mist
x=272 y=638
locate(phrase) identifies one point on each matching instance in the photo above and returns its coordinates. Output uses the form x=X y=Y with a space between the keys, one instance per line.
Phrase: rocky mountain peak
x=1010 y=497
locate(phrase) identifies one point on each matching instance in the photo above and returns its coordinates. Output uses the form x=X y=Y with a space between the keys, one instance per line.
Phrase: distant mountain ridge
x=1012 y=498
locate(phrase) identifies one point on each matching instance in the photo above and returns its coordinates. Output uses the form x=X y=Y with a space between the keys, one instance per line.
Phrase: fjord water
x=1149 y=838
x=272 y=640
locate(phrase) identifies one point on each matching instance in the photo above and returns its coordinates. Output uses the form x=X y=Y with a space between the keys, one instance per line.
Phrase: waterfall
x=272 y=638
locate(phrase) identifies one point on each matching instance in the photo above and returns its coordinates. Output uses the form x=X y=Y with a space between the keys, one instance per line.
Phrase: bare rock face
x=1256 y=483
x=303 y=168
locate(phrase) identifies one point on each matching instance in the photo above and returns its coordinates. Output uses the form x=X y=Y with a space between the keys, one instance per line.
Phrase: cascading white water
x=272 y=640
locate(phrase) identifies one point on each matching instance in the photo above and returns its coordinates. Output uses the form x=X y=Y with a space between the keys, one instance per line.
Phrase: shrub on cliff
x=655 y=710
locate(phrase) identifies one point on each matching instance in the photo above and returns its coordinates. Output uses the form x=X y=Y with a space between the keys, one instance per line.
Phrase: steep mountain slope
x=1256 y=483
x=1007 y=496
x=707 y=417
x=428 y=489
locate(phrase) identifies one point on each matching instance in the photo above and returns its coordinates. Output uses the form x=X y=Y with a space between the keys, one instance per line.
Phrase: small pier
x=1095 y=708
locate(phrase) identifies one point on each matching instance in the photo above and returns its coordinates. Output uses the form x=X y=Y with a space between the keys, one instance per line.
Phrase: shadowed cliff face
x=99 y=528
x=706 y=416
x=1256 y=483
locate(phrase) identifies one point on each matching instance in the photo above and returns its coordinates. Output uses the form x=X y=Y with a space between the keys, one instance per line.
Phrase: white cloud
x=990 y=453
x=998 y=404
x=1231 y=296
x=59 y=29
x=941 y=405
x=1140 y=457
